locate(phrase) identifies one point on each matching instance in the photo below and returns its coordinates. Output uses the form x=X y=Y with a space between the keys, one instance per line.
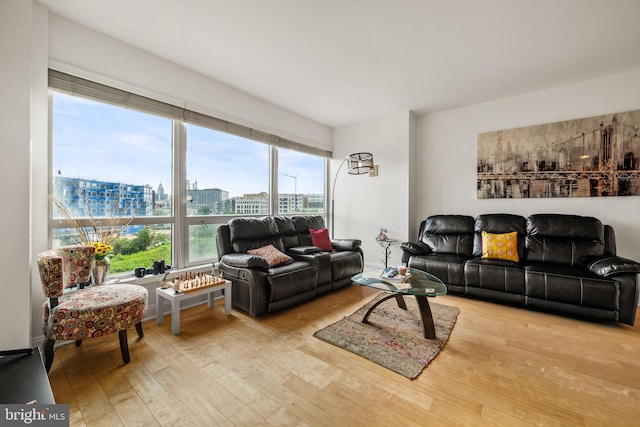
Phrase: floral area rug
x=393 y=338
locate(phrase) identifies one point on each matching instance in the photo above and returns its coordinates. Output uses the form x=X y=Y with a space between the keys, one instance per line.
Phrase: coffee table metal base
x=425 y=312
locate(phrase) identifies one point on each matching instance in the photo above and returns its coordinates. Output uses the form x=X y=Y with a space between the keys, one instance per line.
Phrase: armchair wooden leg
x=124 y=346
x=139 y=329
x=48 y=353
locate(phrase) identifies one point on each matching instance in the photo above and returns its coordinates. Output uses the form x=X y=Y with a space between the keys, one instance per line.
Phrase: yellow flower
x=102 y=250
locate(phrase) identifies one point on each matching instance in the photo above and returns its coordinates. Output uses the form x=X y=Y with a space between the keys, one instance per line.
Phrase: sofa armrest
x=303 y=250
x=346 y=244
x=415 y=248
x=611 y=265
x=239 y=260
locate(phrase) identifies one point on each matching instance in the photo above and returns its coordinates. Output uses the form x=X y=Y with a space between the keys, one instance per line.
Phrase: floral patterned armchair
x=75 y=312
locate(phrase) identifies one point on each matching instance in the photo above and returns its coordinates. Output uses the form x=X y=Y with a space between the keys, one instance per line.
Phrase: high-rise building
x=89 y=197
x=160 y=194
x=253 y=204
x=206 y=198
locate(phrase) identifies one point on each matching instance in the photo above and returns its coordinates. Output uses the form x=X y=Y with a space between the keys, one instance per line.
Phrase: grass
x=123 y=263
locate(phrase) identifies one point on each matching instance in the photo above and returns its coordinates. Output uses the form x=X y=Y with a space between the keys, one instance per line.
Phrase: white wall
x=15 y=104
x=81 y=51
x=363 y=204
x=446 y=153
x=39 y=159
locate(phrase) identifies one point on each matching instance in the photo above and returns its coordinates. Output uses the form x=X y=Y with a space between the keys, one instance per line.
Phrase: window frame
x=178 y=218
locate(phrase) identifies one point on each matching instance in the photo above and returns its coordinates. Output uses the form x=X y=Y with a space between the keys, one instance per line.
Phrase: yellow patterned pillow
x=500 y=246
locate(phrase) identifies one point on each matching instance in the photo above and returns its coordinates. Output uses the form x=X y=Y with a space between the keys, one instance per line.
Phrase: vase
x=100 y=271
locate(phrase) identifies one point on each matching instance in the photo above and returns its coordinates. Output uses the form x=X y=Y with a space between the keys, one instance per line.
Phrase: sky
x=104 y=142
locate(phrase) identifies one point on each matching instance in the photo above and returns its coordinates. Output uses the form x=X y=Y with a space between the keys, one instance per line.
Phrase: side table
x=175 y=299
x=386 y=245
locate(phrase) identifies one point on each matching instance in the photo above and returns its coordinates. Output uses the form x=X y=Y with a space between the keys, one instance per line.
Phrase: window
x=226 y=174
x=300 y=183
x=164 y=177
x=110 y=167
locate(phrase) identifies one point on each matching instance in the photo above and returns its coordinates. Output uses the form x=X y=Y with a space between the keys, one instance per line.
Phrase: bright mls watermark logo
x=34 y=415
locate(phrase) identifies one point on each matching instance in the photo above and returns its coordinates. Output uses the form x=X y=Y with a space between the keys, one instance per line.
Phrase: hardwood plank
x=501 y=366
x=158 y=400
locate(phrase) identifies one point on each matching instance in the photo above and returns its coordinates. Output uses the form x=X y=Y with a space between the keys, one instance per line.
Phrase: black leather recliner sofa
x=567 y=263
x=260 y=289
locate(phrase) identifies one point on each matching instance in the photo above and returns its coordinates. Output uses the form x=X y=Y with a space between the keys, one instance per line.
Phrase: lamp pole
x=359 y=164
x=333 y=201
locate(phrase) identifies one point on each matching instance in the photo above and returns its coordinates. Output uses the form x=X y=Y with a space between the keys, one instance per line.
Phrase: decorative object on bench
x=564 y=263
x=359 y=164
x=392 y=338
x=261 y=287
x=75 y=312
x=385 y=243
x=192 y=282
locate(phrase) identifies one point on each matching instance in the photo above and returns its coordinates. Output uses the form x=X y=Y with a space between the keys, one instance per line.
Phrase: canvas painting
x=591 y=157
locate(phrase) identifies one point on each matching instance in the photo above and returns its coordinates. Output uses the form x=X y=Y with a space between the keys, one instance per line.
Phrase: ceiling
x=344 y=61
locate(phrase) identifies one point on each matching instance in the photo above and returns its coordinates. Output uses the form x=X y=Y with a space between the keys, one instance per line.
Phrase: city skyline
x=589 y=157
x=93 y=140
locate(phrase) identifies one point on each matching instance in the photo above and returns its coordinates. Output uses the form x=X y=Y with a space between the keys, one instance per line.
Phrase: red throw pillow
x=320 y=239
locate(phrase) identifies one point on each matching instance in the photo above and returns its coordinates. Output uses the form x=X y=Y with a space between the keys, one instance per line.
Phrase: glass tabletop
x=415 y=282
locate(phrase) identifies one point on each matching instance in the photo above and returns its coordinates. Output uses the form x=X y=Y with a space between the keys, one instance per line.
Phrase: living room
x=426 y=159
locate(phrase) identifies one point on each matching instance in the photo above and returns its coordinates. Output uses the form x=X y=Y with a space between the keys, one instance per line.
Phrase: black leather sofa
x=260 y=289
x=567 y=263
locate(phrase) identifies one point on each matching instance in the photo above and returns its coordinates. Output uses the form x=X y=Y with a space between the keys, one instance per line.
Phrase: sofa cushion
x=253 y=233
x=498 y=275
x=446 y=267
x=272 y=255
x=449 y=234
x=287 y=231
x=320 y=239
x=500 y=246
x=303 y=223
x=571 y=285
x=498 y=224
x=564 y=239
x=288 y=280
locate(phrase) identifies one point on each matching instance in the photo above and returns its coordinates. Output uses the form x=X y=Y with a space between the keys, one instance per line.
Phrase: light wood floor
x=502 y=366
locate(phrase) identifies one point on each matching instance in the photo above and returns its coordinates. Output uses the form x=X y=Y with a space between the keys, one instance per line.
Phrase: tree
x=204 y=210
x=142 y=240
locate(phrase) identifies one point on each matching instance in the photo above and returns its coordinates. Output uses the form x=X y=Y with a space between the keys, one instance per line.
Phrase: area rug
x=393 y=338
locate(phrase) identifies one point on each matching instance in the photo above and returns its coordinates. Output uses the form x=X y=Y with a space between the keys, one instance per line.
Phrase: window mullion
x=273 y=180
x=179 y=168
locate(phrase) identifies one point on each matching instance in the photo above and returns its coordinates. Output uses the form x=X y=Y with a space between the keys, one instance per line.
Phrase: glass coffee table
x=420 y=284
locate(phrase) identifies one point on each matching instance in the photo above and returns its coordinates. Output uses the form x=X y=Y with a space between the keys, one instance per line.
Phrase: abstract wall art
x=591 y=157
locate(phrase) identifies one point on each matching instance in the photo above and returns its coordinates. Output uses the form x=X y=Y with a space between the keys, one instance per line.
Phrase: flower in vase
x=383 y=233
x=102 y=250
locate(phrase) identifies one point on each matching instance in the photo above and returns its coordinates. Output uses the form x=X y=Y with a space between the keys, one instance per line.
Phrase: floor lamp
x=359 y=164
